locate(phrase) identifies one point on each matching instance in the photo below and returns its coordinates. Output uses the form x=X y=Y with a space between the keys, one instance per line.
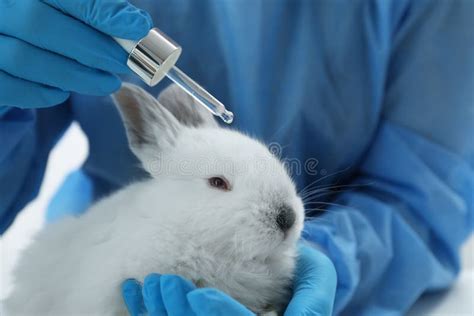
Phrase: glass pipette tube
x=199 y=94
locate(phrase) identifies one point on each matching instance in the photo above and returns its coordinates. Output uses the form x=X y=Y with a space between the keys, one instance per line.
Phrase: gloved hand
x=46 y=54
x=171 y=295
x=315 y=287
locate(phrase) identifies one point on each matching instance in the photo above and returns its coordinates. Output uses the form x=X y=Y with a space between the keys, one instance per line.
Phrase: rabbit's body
x=173 y=223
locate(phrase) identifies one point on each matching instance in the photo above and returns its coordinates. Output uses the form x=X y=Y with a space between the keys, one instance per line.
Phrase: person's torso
x=304 y=76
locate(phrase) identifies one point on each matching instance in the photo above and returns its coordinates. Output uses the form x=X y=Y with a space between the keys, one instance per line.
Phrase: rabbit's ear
x=184 y=108
x=150 y=127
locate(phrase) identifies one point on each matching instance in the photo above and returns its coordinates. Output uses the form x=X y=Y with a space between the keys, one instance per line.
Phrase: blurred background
x=69 y=154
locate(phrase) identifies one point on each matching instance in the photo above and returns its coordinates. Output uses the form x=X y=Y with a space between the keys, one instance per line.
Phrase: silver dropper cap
x=153 y=57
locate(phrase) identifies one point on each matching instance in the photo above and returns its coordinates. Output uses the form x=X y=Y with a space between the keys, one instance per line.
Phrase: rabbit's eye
x=220 y=183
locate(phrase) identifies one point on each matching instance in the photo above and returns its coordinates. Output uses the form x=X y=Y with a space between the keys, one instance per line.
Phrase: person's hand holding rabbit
x=161 y=295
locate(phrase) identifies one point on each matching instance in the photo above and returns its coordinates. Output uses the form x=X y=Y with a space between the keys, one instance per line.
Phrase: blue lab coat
x=378 y=93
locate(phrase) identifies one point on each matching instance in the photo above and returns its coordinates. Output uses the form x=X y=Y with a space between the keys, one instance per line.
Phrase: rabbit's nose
x=285 y=217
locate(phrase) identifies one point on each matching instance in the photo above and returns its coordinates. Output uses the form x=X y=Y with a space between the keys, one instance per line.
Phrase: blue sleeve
x=398 y=234
x=26 y=138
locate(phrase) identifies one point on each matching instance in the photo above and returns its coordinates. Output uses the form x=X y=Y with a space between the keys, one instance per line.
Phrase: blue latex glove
x=47 y=54
x=315 y=287
x=315 y=284
x=174 y=296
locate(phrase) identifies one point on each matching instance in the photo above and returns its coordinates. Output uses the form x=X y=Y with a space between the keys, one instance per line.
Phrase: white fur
x=173 y=223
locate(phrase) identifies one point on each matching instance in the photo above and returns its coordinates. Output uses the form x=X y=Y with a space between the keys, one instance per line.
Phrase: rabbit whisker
x=307 y=187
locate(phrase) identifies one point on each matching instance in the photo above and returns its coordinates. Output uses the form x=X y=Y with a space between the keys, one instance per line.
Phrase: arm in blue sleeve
x=399 y=237
x=26 y=138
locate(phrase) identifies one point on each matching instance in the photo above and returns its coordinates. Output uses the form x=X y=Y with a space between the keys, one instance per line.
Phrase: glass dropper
x=155 y=56
x=203 y=97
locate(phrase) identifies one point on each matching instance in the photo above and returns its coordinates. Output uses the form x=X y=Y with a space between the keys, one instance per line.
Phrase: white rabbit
x=218 y=209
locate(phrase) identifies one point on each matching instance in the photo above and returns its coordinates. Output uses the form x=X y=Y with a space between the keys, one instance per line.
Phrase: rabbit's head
x=231 y=192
